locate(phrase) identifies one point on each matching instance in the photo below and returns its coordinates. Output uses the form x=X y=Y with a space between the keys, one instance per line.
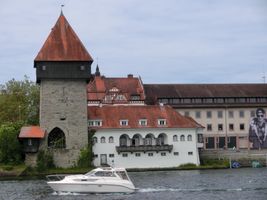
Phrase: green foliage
x=44 y=161
x=19 y=101
x=215 y=162
x=10 y=148
x=85 y=157
x=187 y=165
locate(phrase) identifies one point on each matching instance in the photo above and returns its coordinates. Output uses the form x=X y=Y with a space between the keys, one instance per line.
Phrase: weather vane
x=62 y=5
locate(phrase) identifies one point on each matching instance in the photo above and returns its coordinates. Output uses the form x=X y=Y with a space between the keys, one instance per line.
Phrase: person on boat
x=258 y=130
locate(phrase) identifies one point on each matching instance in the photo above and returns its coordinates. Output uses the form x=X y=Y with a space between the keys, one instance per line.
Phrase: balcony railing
x=144 y=148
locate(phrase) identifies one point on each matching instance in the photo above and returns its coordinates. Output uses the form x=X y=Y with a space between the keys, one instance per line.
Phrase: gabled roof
x=100 y=86
x=63 y=44
x=31 y=132
x=205 y=90
x=111 y=116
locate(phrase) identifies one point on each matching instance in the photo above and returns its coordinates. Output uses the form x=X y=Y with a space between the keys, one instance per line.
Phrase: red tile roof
x=63 y=44
x=100 y=86
x=111 y=116
x=31 y=132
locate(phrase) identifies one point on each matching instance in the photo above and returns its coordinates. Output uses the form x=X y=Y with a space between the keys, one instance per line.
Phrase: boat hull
x=90 y=188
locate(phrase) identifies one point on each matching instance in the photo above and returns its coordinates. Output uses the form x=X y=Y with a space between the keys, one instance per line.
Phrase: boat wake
x=145 y=190
x=67 y=193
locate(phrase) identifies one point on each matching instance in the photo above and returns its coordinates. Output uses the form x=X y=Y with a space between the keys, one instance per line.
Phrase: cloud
x=163 y=41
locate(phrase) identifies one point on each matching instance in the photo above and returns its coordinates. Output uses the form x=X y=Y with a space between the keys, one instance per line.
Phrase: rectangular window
x=231 y=114
x=95 y=156
x=209 y=127
x=220 y=114
x=241 y=114
x=252 y=113
x=163 y=154
x=150 y=154
x=198 y=114
x=242 y=127
x=143 y=122
x=29 y=142
x=176 y=153
x=137 y=154
x=209 y=115
x=162 y=122
x=231 y=127
x=190 y=153
x=111 y=155
x=220 y=127
x=124 y=155
x=95 y=123
x=124 y=122
x=186 y=113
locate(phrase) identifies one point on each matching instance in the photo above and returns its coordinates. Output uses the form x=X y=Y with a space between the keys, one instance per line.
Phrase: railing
x=144 y=148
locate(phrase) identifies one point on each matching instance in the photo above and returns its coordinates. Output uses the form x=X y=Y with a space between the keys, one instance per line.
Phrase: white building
x=143 y=136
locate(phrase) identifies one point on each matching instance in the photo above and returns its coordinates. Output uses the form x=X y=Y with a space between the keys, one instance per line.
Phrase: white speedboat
x=99 y=180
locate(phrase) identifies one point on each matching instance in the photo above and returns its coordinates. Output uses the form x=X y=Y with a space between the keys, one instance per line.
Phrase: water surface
x=193 y=184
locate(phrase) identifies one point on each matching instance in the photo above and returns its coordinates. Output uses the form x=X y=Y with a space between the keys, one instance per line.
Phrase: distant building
x=225 y=110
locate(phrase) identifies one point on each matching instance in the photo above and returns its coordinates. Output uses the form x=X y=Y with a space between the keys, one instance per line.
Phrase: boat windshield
x=123 y=175
x=101 y=174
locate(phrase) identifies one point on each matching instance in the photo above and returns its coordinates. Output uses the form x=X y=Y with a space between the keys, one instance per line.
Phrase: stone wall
x=63 y=104
x=245 y=157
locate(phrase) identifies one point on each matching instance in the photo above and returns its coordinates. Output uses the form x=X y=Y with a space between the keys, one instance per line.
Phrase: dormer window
x=114 y=89
x=120 y=97
x=162 y=122
x=124 y=122
x=95 y=123
x=135 y=97
x=143 y=122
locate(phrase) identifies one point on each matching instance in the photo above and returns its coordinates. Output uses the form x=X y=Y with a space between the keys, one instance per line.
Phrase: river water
x=247 y=183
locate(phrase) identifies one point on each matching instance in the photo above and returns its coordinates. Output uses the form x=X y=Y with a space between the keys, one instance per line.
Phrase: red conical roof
x=63 y=44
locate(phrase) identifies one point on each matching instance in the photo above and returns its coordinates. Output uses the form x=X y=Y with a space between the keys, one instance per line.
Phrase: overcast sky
x=163 y=41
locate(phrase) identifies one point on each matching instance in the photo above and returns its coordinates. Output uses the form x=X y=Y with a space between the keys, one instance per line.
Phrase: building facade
x=143 y=137
x=225 y=110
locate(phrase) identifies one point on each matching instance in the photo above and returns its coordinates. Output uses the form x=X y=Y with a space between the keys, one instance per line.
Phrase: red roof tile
x=31 y=132
x=63 y=44
x=111 y=116
x=101 y=86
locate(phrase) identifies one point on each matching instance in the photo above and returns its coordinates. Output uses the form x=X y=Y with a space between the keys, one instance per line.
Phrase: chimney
x=130 y=76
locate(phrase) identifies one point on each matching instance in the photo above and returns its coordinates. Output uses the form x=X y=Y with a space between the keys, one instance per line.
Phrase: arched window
x=103 y=140
x=182 y=138
x=189 y=138
x=136 y=141
x=149 y=139
x=123 y=140
x=94 y=140
x=175 y=138
x=162 y=139
x=110 y=139
x=56 y=139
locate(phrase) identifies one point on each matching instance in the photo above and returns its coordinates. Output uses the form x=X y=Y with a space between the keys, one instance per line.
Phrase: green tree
x=19 y=101
x=10 y=148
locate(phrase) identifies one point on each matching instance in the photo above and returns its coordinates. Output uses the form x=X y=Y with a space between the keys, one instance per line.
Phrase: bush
x=188 y=165
x=10 y=148
x=44 y=161
x=85 y=157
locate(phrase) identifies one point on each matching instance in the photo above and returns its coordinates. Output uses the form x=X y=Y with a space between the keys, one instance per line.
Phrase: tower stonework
x=63 y=69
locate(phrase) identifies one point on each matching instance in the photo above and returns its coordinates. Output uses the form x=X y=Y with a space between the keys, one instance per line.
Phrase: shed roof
x=31 y=132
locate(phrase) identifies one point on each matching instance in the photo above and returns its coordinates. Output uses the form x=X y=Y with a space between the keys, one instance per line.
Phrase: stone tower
x=63 y=69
